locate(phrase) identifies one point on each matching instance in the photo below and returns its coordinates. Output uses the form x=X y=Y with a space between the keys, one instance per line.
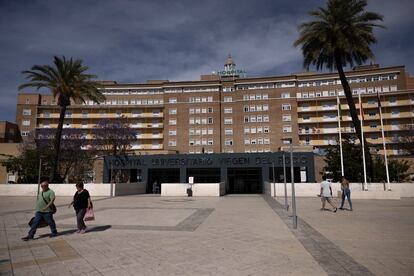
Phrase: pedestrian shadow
x=99 y=228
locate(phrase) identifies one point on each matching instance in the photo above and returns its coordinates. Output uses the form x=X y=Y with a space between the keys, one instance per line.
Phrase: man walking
x=44 y=204
x=326 y=194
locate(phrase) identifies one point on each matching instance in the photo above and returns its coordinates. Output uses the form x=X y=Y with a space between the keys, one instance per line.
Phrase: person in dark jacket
x=81 y=202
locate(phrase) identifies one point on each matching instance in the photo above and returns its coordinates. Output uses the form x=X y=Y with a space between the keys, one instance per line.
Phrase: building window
x=286 y=117
x=210 y=120
x=228 y=131
x=265 y=107
x=26 y=122
x=286 y=141
x=27 y=112
x=172 y=111
x=285 y=95
x=266 y=129
x=265 y=96
x=25 y=133
x=286 y=107
x=246 y=108
x=210 y=110
x=228 y=121
x=210 y=141
x=172 y=132
x=172 y=143
x=247 y=141
x=265 y=118
x=228 y=99
x=246 y=119
x=228 y=110
x=172 y=100
x=228 y=142
x=172 y=122
x=287 y=129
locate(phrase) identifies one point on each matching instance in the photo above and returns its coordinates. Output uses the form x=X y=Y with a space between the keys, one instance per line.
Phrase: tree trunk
x=53 y=173
x=354 y=113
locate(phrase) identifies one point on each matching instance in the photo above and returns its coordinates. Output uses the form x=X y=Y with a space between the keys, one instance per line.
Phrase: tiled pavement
x=143 y=235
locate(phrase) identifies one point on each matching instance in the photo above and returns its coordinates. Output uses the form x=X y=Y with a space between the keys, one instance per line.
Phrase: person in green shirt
x=43 y=211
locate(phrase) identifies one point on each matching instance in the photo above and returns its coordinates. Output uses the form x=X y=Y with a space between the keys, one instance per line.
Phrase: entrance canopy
x=204 y=168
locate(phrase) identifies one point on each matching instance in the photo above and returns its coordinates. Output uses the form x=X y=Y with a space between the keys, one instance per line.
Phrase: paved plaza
x=230 y=235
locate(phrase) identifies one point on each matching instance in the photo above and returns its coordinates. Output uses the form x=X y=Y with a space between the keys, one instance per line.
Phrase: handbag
x=89 y=215
x=52 y=206
x=42 y=223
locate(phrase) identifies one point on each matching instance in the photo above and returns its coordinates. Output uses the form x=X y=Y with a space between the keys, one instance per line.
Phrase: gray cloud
x=132 y=41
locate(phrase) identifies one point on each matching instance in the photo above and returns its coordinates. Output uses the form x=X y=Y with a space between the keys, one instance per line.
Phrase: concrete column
x=183 y=175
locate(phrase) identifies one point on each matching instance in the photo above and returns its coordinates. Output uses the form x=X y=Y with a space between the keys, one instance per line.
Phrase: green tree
x=397 y=169
x=352 y=161
x=68 y=82
x=340 y=35
x=26 y=165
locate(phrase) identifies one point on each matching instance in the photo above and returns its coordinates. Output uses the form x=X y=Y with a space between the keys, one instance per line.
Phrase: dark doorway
x=158 y=176
x=245 y=180
x=204 y=175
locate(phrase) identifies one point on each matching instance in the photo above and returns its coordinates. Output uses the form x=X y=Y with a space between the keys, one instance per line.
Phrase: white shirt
x=326 y=191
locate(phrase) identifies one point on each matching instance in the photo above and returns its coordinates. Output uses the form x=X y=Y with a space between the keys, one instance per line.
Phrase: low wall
x=199 y=189
x=375 y=190
x=99 y=189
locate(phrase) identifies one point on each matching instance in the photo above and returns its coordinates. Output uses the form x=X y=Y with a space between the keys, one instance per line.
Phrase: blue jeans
x=346 y=193
x=39 y=216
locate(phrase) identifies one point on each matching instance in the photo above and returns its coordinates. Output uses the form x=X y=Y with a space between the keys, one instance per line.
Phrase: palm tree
x=340 y=35
x=68 y=82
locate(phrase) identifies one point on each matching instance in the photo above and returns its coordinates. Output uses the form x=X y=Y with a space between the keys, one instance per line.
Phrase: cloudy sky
x=133 y=41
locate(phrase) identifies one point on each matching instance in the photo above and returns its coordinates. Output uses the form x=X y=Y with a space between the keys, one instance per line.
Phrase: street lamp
x=295 y=218
x=284 y=180
x=38 y=177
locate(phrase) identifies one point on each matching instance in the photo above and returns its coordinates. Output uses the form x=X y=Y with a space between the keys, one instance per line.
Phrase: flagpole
x=362 y=142
x=340 y=134
x=383 y=143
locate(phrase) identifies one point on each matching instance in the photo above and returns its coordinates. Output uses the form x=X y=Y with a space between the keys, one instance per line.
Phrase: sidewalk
x=141 y=235
x=231 y=235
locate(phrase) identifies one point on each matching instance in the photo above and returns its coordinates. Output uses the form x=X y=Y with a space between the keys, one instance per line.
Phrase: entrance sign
x=185 y=168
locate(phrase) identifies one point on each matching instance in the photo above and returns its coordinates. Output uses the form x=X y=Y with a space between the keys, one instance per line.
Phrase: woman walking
x=346 y=192
x=81 y=202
